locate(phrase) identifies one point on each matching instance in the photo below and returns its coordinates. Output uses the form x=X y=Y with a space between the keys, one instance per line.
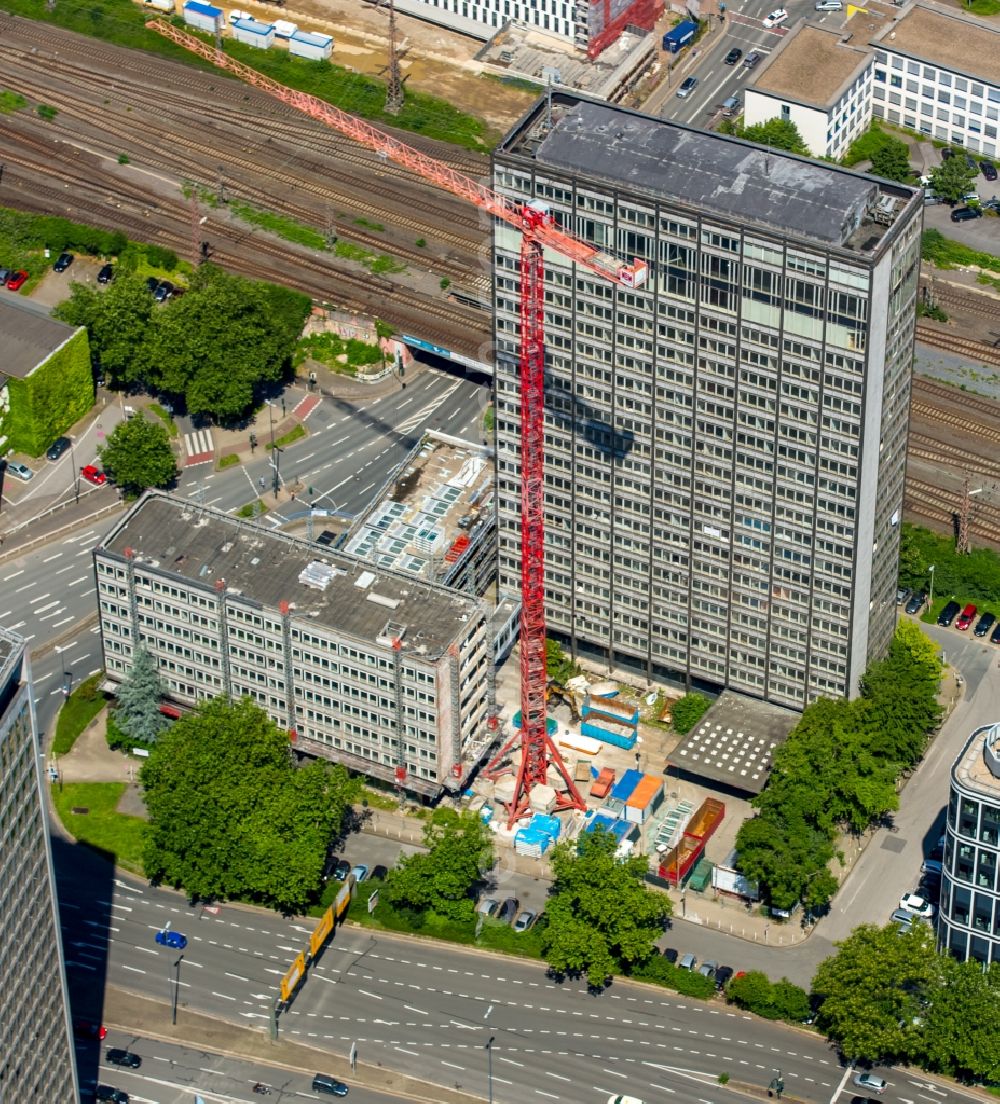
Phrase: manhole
x=893 y=843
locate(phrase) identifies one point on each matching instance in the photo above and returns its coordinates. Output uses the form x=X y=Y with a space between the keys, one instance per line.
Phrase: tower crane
x=538 y=231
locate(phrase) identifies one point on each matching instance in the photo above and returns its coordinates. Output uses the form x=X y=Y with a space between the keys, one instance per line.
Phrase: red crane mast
x=538 y=230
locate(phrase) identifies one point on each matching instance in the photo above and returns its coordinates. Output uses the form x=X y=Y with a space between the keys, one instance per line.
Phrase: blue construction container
x=619 y=735
x=623 y=788
x=679 y=36
x=550 y=826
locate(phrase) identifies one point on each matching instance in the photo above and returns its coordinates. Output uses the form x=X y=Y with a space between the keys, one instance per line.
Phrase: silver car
x=22 y=471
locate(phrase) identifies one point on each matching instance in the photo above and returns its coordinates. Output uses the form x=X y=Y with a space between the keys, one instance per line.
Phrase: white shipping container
x=203 y=17
x=252 y=33
x=317 y=47
x=284 y=29
x=236 y=15
x=161 y=5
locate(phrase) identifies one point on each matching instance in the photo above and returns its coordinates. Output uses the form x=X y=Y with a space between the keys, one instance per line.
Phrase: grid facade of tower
x=725 y=446
x=36 y=1050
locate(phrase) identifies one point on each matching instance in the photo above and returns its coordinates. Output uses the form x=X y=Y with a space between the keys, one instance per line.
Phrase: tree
x=777 y=133
x=961 y=1030
x=875 y=990
x=137 y=455
x=686 y=712
x=780 y=1000
x=138 y=711
x=601 y=915
x=117 y=320
x=230 y=813
x=892 y=160
x=558 y=665
x=442 y=880
x=221 y=341
x=953 y=178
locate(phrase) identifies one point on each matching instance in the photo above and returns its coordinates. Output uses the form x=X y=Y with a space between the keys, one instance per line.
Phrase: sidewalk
x=137 y=1014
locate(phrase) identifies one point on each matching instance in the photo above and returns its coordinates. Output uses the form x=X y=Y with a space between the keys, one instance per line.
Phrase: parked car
x=985 y=623
x=93 y=474
x=63 y=261
x=379 y=873
x=5 y=274
x=965 y=618
x=995 y=635
x=106 y=1092
x=988 y=169
x=525 y=919
x=57 y=448
x=173 y=939
x=22 y=471
x=971 y=162
x=508 y=910
x=152 y=283
x=902 y=917
x=733 y=56
x=360 y=872
x=722 y=975
x=687 y=962
x=931 y=867
x=964 y=214
x=829 y=5
x=946 y=153
x=686 y=88
x=902 y=595
x=752 y=59
x=106 y=275
x=89 y=1029
x=118 y=1057
x=16 y=280
x=948 y=614
x=916 y=602
x=488 y=906
x=919 y=906
x=708 y=968
x=336 y=868
x=670 y=954
x=164 y=289
x=870 y=1082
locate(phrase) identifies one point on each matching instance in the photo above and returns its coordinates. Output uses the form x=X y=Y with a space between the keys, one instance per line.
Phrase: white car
x=910 y=902
x=776 y=18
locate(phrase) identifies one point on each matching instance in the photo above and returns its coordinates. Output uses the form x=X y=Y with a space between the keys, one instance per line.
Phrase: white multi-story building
x=969 y=917
x=724 y=446
x=37 y=1060
x=368 y=667
x=937 y=71
x=820 y=83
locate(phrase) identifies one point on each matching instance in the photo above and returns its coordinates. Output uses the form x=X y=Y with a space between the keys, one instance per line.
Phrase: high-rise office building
x=725 y=446
x=36 y=1049
x=969 y=918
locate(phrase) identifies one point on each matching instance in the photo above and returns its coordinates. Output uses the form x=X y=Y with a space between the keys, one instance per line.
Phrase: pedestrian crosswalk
x=199 y=447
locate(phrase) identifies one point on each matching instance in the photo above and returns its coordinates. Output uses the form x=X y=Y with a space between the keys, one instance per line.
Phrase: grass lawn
x=79 y=709
x=102 y=827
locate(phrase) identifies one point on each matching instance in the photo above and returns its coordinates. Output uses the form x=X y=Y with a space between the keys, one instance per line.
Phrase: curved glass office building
x=970 y=900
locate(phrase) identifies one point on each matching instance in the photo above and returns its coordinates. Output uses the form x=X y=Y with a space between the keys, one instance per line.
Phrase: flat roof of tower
x=812 y=65
x=727 y=176
x=336 y=591
x=950 y=39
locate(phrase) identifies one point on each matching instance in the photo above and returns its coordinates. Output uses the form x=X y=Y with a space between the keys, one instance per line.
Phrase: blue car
x=173 y=939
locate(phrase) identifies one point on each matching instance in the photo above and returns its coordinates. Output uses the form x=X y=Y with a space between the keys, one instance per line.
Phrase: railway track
x=929 y=389
x=976 y=351
x=975 y=302
x=929 y=448
x=935 y=504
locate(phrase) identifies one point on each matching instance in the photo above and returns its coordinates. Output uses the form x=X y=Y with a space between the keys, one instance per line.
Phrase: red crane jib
x=538 y=229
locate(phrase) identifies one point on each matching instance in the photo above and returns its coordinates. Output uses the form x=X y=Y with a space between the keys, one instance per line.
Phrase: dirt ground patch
x=435 y=61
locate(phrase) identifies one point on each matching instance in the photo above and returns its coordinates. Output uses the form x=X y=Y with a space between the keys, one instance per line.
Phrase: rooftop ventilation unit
x=392 y=632
x=318 y=575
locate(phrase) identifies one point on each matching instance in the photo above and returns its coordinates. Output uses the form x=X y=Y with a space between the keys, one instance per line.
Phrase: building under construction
x=360 y=664
x=725 y=445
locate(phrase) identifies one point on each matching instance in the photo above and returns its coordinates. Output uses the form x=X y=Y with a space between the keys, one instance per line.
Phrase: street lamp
x=275 y=452
x=931 y=572
x=76 y=471
x=176 y=987
x=489 y=1069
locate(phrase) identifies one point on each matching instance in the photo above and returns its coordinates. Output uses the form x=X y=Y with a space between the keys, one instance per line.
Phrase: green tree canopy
x=221 y=341
x=953 y=178
x=686 y=712
x=137 y=455
x=961 y=1030
x=558 y=665
x=230 y=813
x=892 y=160
x=601 y=915
x=443 y=879
x=777 y=133
x=137 y=713
x=116 y=318
x=974 y=575
x=780 y=1000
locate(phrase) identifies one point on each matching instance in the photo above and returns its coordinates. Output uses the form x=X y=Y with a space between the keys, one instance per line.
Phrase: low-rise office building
x=818 y=81
x=969 y=918
x=372 y=668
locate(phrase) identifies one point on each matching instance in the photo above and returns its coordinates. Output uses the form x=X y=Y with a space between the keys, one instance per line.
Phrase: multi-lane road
x=742 y=28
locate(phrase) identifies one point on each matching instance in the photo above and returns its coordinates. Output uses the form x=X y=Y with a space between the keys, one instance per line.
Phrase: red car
x=92 y=474
x=17 y=279
x=87 y=1029
x=966 y=617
